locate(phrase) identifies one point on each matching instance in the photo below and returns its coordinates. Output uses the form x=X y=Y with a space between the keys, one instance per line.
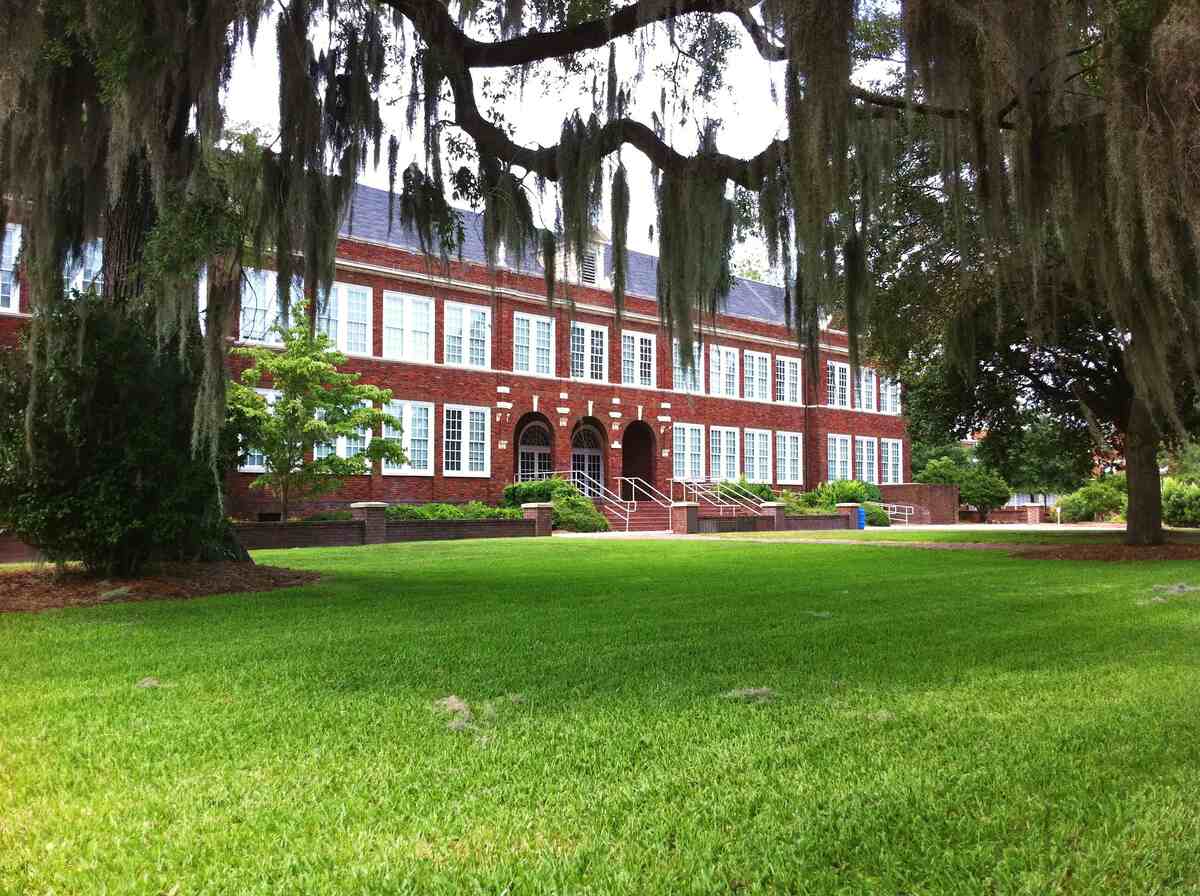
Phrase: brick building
x=492 y=383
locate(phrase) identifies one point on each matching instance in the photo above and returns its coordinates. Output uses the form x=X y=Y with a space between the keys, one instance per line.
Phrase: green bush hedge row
x=572 y=511
x=1098 y=500
x=1181 y=503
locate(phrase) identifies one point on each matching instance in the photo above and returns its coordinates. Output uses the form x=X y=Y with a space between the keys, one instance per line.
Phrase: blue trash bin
x=861 y=516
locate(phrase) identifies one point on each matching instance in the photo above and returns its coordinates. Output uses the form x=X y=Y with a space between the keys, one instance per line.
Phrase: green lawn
x=998 y=534
x=943 y=722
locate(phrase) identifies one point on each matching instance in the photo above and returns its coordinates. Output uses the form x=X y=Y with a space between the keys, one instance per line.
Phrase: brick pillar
x=776 y=518
x=850 y=512
x=685 y=517
x=542 y=516
x=374 y=520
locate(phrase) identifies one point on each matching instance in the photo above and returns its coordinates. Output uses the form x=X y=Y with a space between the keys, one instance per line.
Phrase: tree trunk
x=1142 y=440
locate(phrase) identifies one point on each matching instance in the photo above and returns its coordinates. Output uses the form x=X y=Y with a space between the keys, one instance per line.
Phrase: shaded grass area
x=997 y=534
x=935 y=722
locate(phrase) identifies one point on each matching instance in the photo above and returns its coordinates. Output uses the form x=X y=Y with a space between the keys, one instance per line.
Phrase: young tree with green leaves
x=978 y=486
x=310 y=405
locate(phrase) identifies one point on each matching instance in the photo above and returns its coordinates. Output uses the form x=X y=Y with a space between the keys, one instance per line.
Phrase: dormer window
x=590 y=272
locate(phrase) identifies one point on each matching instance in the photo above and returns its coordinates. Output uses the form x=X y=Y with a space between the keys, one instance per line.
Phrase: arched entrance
x=535 y=454
x=587 y=459
x=637 y=457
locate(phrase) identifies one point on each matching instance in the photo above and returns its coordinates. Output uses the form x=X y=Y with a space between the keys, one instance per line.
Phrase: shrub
x=876 y=515
x=329 y=516
x=473 y=510
x=846 y=491
x=1181 y=503
x=1098 y=500
x=539 y=491
x=575 y=513
x=112 y=481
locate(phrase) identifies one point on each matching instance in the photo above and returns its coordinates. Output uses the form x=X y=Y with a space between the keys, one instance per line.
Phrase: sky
x=750 y=114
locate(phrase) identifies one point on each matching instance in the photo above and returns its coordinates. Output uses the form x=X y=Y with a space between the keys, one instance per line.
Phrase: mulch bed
x=1114 y=553
x=44 y=589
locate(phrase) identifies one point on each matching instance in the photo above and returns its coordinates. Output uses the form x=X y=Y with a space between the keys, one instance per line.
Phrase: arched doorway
x=587 y=459
x=535 y=455
x=637 y=457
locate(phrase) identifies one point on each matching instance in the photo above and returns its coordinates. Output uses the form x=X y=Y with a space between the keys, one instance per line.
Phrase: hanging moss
x=580 y=184
x=620 y=236
x=507 y=214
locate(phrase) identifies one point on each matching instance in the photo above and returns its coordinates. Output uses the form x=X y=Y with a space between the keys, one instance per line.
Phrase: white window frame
x=568 y=264
x=889 y=396
x=757 y=370
x=724 y=458
x=837 y=384
x=865 y=387
x=270 y=309
x=678 y=446
x=784 y=441
x=405 y=305
x=340 y=298
x=721 y=361
x=690 y=383
x=861 y=453
x=13 y=234
x=588 y=330
x=838 y=466
x=464 y=450
x=402 y=410
x=271 y=395
x=86 y=269
x=895 y=451
x=465 y=310
x=785 y=367
x=760 y=457
x=533 y=320
x=639 y=339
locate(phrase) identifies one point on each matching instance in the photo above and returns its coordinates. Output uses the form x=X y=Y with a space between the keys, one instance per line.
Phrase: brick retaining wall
x=13 y=551
x=446 y=530
x=264 y=536
x=933 y=503
x=817 y=521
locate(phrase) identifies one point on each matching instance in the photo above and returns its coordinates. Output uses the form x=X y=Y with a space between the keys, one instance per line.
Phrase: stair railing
x=740 y=495
x=901 y=513
x=637 y=484
x=590 y=488
x=701 y=492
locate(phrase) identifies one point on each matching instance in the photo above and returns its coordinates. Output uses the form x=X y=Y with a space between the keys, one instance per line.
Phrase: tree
x=115 y=484
x=1041 y=456
x=310 y=405
x=1066 y=122
x=978 y=486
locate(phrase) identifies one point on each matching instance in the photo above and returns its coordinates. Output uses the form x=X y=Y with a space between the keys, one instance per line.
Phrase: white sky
x=751 y=117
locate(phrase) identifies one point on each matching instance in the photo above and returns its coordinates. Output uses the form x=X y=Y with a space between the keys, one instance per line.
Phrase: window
x=468 y=336
x=253 y=460
x=356 y=443
x=687 y=441
x=589 y=352
x=85 y=270
x=787 y=380
x=258 y=317
x=534 y=453
x=533 y=344
x=864 y=389
x=9 y=287
x=789 y=461
x=889 y=397
x=758 y=455
x=638 y=358
x=723 y=452
x=866 y=468
x=683 y=380
x=407 y=328
x=891 y=460
x=466 y=441
x=723 y=371
x=415 y=436
x=758 y=375
x=346 y=446
x=837 y=384
x=344 y=315
x=837 y=456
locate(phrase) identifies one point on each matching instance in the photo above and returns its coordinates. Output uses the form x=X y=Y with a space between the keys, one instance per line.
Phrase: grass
x=998 y=534
x=937 y=722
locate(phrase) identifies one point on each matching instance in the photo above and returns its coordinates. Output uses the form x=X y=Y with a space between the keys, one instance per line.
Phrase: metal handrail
x=900 y=512
x=702 y=492
x=742 y=495
x=652 y=494
x=623 y=509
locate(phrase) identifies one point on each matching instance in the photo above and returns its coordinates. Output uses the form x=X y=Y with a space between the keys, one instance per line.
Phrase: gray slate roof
x=367 y=219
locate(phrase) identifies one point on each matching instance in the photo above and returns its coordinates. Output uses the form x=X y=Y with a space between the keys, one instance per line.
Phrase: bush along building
x=494 y=384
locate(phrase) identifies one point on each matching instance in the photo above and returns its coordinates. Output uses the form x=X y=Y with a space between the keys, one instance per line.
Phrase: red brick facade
x=562 y=403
